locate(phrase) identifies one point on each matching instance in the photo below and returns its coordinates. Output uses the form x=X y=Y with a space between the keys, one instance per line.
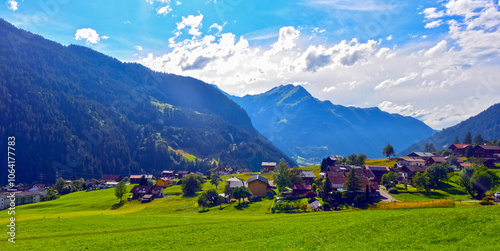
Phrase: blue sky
x=433 y=60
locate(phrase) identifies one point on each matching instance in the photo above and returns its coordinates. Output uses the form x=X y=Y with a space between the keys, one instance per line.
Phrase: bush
x=326 y=206
x=311 y=194
x=486 y=202
x=393 y=190
x=304 y=208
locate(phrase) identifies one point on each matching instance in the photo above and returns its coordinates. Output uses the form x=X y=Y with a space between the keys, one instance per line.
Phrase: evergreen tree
x=324 y=165
x=478 y=140
x=352 y=185
x=468 y=138
x=457 y=141
x=326 y=190
x=426 y=148
x=431 y=148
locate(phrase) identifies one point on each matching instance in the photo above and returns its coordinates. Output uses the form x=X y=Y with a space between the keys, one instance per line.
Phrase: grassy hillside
x=92 y=220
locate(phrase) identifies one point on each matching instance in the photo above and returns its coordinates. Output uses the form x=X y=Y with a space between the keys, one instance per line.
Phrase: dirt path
x=385 y=196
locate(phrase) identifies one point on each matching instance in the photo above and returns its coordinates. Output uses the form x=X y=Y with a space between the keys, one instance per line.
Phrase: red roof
x=415 y=160
x=301 y=187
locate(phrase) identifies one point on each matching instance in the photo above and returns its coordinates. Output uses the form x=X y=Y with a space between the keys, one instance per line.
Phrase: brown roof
x=111 y=177
x=460 y=146
x=438 y=159
x=489 y=147
x=416 y=168
x=301 y=187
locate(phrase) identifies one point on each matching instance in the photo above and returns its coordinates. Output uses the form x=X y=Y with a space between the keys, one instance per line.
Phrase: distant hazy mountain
x=486 y=123
x=75 y=111
x=309 y=129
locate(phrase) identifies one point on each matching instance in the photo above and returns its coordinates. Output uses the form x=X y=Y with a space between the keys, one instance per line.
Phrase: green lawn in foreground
x=87 y=220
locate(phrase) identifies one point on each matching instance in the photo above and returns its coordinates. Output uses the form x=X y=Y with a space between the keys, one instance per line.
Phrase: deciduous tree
x=388 y=150
x=282 y=177
x=120 y=190
x=191 y=184
x=215 y=180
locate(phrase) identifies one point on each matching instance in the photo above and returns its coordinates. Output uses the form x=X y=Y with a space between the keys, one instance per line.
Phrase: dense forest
x=486 y=123
x=76 y=111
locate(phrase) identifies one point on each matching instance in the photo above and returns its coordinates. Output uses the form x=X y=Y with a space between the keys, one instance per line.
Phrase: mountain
x=309 y=129
x=486 y=123
x=75 y=111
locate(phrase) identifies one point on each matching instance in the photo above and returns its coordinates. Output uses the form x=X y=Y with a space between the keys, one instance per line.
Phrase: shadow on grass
x=241 y=206
x=453 y=190
x=205 y=211
x=117 y=205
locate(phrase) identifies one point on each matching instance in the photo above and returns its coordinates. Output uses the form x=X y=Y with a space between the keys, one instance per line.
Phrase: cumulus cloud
x=87 y=34
x=191 y=22
x=139 y=48
x=434 y=24
x=439 y=82
x=12 y=5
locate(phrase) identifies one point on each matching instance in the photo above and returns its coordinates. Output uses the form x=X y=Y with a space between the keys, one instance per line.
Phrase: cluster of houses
x=23 y=195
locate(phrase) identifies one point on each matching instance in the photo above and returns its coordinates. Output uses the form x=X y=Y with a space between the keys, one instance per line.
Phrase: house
x=234 y=182
x=330 y=161
x=420 y=155
x=21 y=198
x=259 y=185
x=308 y=177
x=164 y=182
x=39 y=188
x=111 y=177
x=223 y=170
x=140 y=191
x=411 y=162
x=459 y=149
x=168 y=174
x=435 y=159
x=300 y=189
x=410 y=170
x=135 y=179
x=268 y=167
x=338 y=176
x=378 y=171
x=486 y=151
x=182 y=174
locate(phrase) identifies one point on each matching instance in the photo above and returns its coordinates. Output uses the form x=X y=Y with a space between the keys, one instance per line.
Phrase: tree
x=389 y=178
x=438 y=172
x=120 y=190
x=326 y=189
x=282 y=177
x=432 y=149
x=478 y=180
x=60 y=183
x=212 y=195
x=215 y=180
x=360 y=160
x=468 y=138
x=469 y=152
x=203 y=201
x=228 y=191
x=457 y=141
x=478 y=140
x=220 y=200
x=426 y=147
x=352 y=185
x=241 y=193
x=296 y=176
x=191 y=184
x=143 y=181
x=453 y=161
x=422 y=182
x=324 y=165
x=388 y=150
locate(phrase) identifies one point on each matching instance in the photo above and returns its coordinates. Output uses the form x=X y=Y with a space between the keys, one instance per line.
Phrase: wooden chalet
x=138 y=192
x=308 y=177
x=135 y=179
x=410 y=170
x=111 y=177
x=378 y=171
x=459 y=149
x=168 y=174
x=486 y=151
x=338 y=176
x=420 y=155
x=259 y=185
x=182 y=174
x=268 y=167
x=435 y=159
x=300 y=189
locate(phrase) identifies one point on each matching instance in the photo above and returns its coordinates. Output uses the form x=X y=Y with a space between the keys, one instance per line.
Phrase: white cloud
x=217 y=26
x=388 y=38
x=287 y=38
x=191 y=22
x=164 y=10
x=87 y=34
x=431 y=13
x=139 y=48
x=438 y=81
x=12 y=5
x=105 y=37
x=434 y=24
x=329 y=89
x=386 y=84
x=367 y=5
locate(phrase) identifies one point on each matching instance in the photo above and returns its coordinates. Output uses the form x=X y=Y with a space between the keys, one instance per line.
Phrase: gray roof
x=422 y=154
x=308 y=174
x=258 y=177
x=20 y=194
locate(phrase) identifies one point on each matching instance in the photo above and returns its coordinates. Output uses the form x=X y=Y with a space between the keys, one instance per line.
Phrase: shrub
x=311 y=200
x=311 y=194
x=326 y=206
x=335 y=205
x=393 y=190
x=304 y=208
x=486 y=202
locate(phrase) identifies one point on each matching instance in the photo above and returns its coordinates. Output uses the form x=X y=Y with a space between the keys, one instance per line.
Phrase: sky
x=437 y=61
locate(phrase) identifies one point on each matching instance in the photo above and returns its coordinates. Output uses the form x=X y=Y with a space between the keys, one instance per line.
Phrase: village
x=339 y=182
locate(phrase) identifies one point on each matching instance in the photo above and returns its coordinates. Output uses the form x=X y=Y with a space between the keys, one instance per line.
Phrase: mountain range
x=308 y=129
x=486 y=123
x=75 y=111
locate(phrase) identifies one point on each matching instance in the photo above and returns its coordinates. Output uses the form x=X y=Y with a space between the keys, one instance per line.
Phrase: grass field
x=94 y=220
x=381 y=162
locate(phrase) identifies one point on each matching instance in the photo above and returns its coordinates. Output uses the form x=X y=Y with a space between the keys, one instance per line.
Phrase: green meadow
x=96 y=221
